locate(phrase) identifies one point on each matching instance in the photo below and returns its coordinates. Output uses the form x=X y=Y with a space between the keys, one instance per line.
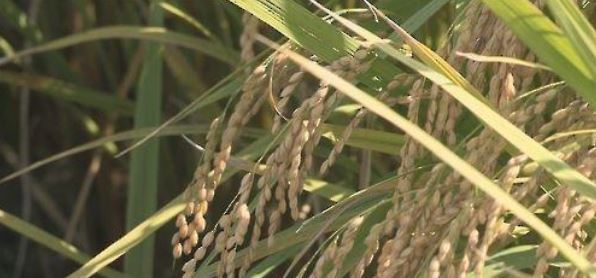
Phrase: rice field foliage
x=285 y=138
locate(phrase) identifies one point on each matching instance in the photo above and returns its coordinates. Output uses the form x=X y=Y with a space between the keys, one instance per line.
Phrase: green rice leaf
x=577 y=27
x=327 y=190
x=67 y=91
x=121 y=136
x=262 y=269
x=51 y=242
x=144 y=163
x=186 y=17
x=515 y=258
x=367 y=139
x=154 y=34
x=131 y=239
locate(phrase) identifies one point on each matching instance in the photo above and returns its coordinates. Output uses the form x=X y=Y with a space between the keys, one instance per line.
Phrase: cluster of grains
x=325 y=258
x=346 y=244
x=336 y=252
x=234 y=227
x=408 y=154
x=279 y=185
x=231 y=234
x=201 y=191
x=571 y=214
x=348 y=68
x=248 y=105
x=530 y=191
x=199 y=196
x=445 y=206
x=247 y=38
x=286 y=91
x=438 y=225
x=282 y=181
x=400 y=80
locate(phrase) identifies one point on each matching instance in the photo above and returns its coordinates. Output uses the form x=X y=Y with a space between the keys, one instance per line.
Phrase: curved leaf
x=43 y=238
x=155 y=34
x=68 y=91
x=122 y=136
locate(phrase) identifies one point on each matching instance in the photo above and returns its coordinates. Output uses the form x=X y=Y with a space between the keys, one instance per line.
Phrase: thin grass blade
x=154 y=34
x=51 y=242
x=367 y=139
x=577 y=27
x=67 y=91
x=131 y=239
x=144 y=163
x=501 y=59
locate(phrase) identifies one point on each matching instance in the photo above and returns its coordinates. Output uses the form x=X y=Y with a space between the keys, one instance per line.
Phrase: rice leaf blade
x=579 y=30
x=67 y=91
x=144 y=162
x=154 y=34
x=51 y=242
x=131 y=239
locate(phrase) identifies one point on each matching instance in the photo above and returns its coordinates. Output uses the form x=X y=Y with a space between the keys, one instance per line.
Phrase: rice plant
x=285 y=138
